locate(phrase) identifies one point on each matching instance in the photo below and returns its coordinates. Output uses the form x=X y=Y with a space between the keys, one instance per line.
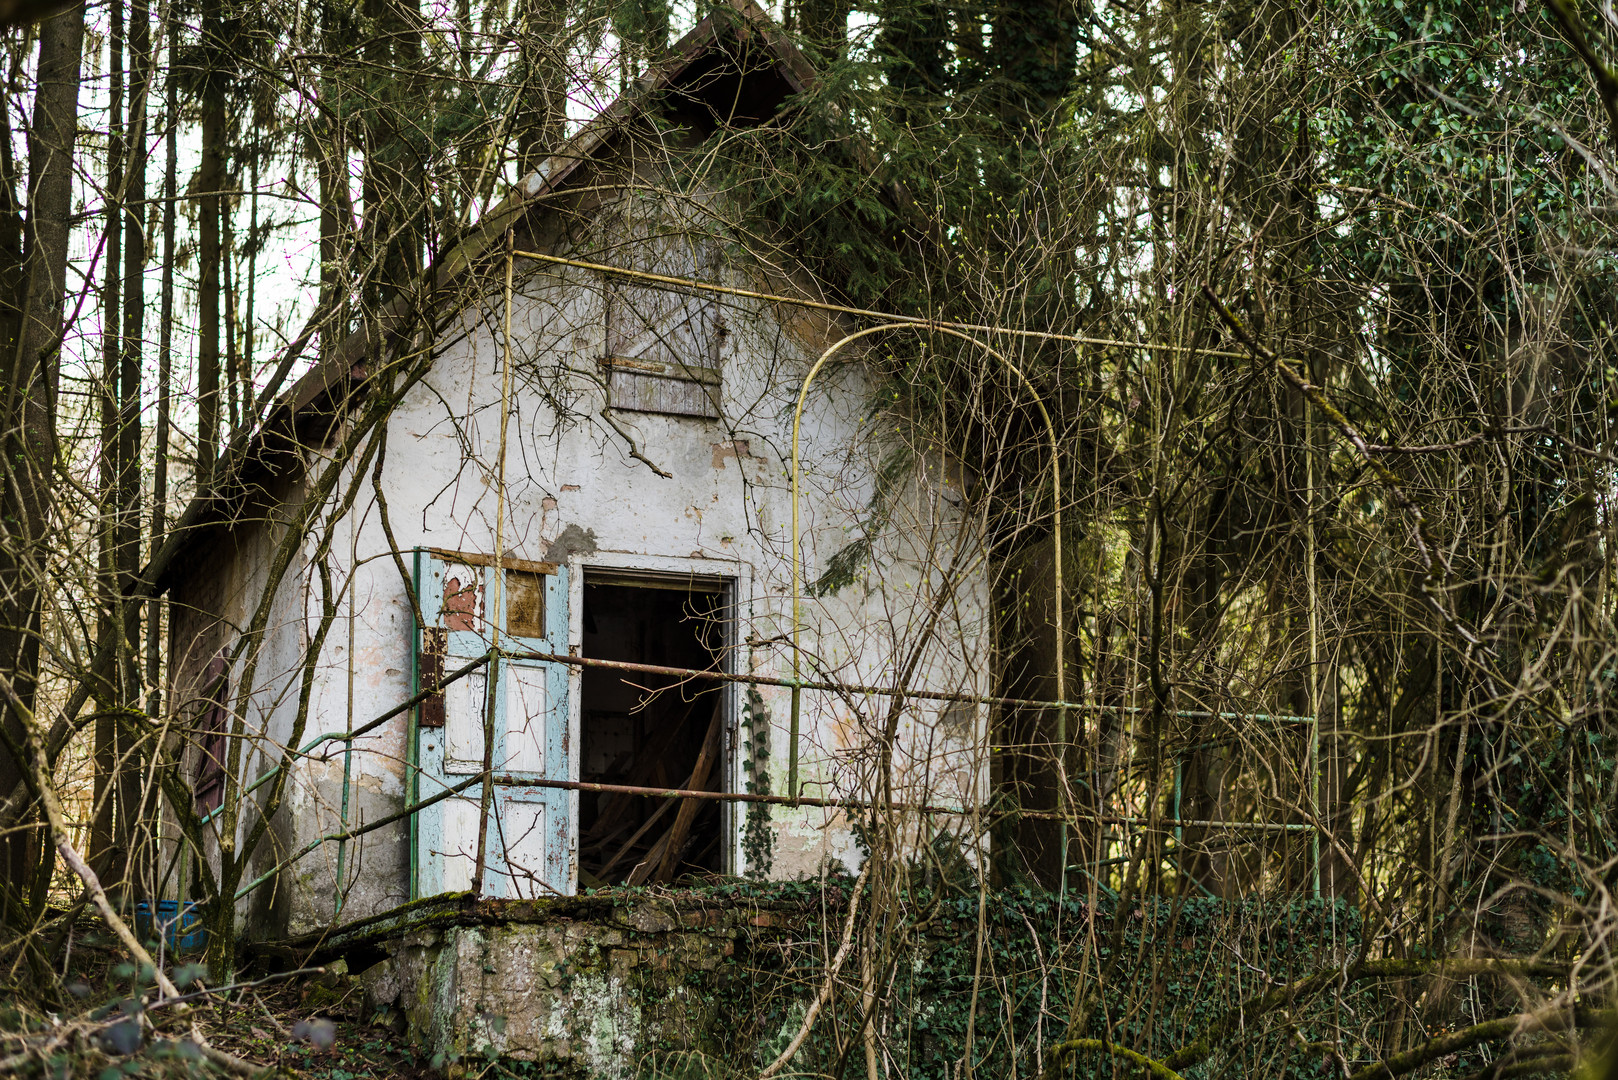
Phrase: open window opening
x=651 y=730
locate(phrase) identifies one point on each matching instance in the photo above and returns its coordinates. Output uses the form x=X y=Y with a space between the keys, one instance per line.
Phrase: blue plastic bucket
x=181 y=926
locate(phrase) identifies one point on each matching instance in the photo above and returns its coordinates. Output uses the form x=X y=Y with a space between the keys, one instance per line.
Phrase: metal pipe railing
x=710 y=675
x=883 y=691
x=364 y=729
x=1069 y=817
x=746 y=797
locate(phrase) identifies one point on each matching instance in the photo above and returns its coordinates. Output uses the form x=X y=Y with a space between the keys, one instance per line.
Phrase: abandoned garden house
x=574 y=469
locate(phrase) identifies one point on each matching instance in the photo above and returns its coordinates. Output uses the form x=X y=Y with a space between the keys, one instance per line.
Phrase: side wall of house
x=240 y=608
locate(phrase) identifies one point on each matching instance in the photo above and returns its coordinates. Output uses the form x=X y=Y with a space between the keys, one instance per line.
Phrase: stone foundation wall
x=715 y=981
x=591 y=986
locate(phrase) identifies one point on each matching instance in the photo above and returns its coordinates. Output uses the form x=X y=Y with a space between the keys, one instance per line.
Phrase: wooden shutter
x=663 y=345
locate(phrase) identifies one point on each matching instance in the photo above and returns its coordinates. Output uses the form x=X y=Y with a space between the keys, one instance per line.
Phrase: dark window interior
x=651 y=731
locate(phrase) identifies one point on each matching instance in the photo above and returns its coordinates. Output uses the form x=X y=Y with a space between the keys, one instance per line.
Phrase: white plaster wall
x=575 y=491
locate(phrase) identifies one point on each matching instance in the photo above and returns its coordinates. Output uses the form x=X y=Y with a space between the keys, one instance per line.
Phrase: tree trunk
x=106 y=725
x=165 y=374
x=642 y=27
x=28 y=413
x=1033 y=47
x=336 y=209
x=210 y=180
x=913 y=46
x=1024 y=737
x=229 y=275
x=824 y=26
x=11 y=223
x=128 y=547
x=540 y=123
x=393 y=183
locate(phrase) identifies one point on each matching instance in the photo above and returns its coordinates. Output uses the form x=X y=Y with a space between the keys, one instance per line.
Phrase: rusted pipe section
x=861 y=804
x=854 y=688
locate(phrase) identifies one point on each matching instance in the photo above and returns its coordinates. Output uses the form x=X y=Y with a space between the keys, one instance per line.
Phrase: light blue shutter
x=529 y=846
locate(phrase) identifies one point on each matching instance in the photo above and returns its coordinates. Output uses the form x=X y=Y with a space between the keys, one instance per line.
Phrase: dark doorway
x=651 y=730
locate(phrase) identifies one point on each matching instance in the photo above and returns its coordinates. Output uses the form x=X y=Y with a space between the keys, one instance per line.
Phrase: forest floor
x=90 y=1015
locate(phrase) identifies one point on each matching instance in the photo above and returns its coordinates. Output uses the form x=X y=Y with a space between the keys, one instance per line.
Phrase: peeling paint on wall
x=572 y=541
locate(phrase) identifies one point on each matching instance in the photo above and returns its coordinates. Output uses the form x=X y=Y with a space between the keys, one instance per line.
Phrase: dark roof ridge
x=800 y=74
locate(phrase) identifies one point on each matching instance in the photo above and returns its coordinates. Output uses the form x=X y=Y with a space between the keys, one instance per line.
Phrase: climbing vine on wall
x=758 y=842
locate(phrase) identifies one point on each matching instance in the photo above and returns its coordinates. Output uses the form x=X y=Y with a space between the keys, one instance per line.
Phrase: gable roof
x=735 y=68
